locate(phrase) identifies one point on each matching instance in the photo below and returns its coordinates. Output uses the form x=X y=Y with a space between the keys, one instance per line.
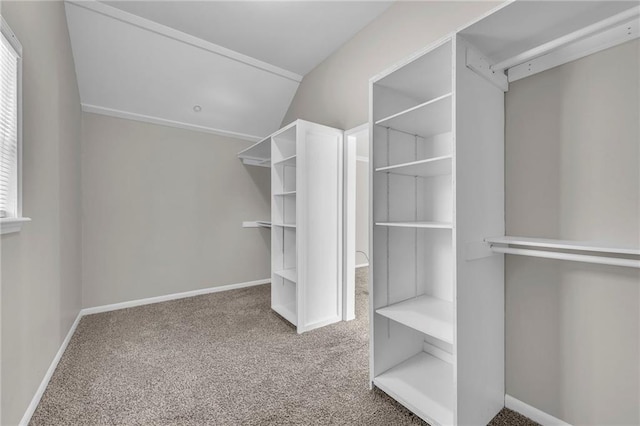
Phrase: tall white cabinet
x=306 y=231
x=437 y=189
x=437 y=202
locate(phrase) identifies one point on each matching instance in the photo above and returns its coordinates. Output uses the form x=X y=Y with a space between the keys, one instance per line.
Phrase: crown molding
x=165 y=122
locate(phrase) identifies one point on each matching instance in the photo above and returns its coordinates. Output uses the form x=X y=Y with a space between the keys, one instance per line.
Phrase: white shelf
x=595 y=253
x=289 y=161
x=594 y=247
x=281 y=194
x=258 y=154
x=257 y=224
x=426 y=314
x=427 y=119
x=288 y=274
x=424 y=168
x=423 y=384
x=436 y=225
x=287 y=312
x=284 y=225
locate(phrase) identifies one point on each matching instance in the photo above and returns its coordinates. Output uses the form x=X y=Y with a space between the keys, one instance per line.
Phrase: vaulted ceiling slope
x=230 y=68
x=294 y=35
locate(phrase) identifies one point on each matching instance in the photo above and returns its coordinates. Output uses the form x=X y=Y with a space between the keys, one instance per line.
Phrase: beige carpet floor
x=219 y=359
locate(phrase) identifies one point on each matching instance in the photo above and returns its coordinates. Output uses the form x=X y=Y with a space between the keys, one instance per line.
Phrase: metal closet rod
x=545 y=48
x=602 y=260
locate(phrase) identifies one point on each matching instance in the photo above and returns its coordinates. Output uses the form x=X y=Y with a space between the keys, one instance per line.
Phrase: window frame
x=14 y=224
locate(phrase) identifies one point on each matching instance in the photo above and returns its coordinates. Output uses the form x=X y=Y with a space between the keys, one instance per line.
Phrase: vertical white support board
x=479 y=210
x=349 y=224
x=319 y=214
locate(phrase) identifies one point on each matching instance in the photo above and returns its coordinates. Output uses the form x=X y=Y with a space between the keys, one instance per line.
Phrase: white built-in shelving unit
x=306 y=233
x=437 y=321
x=437 y=202
x=306 y=221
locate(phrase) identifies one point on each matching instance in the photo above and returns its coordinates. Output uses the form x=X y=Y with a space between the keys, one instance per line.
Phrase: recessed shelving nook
x=306 y=239
x=437 y=198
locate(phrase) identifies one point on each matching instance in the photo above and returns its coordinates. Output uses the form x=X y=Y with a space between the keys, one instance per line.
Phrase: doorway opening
x=356 y=212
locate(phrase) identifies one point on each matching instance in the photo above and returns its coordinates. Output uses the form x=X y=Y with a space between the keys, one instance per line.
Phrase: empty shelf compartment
x=425 y=120
x=423 y=384
x=426 y=314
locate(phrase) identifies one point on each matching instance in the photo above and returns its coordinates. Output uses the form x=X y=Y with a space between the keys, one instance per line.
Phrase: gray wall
x=336 y=92
x=163 y=209
x=572 y=172
x=41 y=290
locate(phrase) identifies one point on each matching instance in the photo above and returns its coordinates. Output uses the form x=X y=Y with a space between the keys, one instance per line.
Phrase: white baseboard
x=362 y=265
x=45 y=380
x=174 y=296
x=533 y=413
x=26 y=418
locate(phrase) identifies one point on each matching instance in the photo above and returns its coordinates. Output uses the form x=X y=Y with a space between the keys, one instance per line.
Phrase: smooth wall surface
x=41 y=265
x=163 y=211
x=572 y=172
x=336 y=92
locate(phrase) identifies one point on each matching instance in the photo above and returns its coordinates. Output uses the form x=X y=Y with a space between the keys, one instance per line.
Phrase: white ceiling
x=294 y=35
x=239 y=61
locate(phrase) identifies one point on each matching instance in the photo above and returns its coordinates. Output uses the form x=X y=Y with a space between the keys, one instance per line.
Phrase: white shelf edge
x=254 y=161
x=281 y=194
x=409 y=110
x=284 y=225
x=414 y=313
x=289 y=274
x=585 y=258
x=586 y=246
x=284 y=161
x=390 y=169
x=433 y=225
x=256 y=224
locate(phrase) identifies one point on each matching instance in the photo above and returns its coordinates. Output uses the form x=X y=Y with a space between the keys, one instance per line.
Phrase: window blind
x=8 y=129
